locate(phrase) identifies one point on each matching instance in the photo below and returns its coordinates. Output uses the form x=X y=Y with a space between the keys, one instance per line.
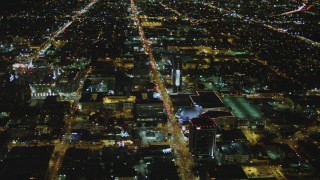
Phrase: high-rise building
x=202 y=138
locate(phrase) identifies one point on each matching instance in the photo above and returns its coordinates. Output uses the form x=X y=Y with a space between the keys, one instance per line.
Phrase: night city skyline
x=159 y=89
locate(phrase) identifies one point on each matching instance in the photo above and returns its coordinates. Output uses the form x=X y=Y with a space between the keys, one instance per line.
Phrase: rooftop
x=179 y=100
x=207 y=99
x=231 y=135
x=263 y=172
x=223 y=172
x=203 y=122
x=146 y=97
x=234 y=147
x=217 y=114
x=242 y=108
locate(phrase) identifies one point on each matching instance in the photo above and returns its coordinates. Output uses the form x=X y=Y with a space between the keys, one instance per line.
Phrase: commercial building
x=208 y=101
x=148 y=109
x=97 y=101
x=53 y=104
x=234 y=152
x=202 y=140
x=224 y=120
x=246 y=113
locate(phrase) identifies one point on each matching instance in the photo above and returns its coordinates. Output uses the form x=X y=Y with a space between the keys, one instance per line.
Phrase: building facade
x=202 y=140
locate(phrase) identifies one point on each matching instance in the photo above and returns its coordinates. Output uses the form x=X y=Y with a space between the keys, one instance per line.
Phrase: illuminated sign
x=124 y=134
x=167 y=150
x=11 y=78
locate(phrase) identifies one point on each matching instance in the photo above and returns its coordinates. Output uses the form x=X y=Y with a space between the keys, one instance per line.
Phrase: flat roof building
x=207 y=100
x=234 y=152
x=224 y=120
x=202 y=140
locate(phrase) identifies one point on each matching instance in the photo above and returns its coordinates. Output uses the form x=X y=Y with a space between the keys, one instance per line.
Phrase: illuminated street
x=47 y=44
x=61 y=147
x=94 y=89
x=183 y=160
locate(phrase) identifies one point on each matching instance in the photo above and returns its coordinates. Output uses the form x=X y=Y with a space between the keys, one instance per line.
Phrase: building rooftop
x=163 y=169
x=105 y=98
x=146 y=97
x=217 y=114
x=242 y=108
x=233 y=147
x=203 y=122
x=232 y=135
x=181 y=100
x=263 y=172
x=223 y=172
x=207 y=99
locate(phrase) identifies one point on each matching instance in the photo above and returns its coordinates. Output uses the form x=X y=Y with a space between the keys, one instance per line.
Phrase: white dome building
x=187 y=113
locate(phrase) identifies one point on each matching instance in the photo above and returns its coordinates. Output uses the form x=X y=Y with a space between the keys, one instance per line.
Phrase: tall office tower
x=202 y=138
x=176 y=75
